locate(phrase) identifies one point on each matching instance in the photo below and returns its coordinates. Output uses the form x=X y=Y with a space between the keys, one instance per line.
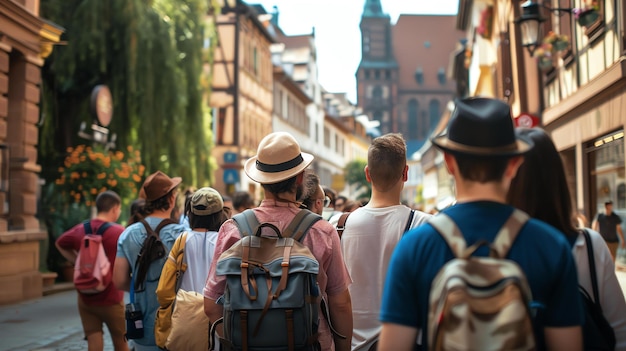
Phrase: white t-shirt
x=199 y=249
x=611 y=295
x=369 y=238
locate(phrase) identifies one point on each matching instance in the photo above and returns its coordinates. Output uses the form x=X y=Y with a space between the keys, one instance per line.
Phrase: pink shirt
x=321 y=239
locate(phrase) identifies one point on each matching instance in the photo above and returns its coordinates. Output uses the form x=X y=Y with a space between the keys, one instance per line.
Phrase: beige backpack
x=480 y=303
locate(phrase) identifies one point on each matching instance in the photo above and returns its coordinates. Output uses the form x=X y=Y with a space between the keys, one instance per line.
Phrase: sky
x=337 y=33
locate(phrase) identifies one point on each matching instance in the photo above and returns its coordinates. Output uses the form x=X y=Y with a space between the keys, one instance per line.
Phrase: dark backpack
x=151 y=250
x=92 y=271
x=271 y=299
x=597 y=332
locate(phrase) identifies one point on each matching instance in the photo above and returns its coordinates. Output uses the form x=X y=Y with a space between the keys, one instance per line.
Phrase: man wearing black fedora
x=279 y=167
x=159 y=191
x=482 y=154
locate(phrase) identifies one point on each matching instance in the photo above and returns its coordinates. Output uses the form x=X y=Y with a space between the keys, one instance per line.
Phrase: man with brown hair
x=372 y=232
x=160 y=195
x=107 y=306
x=279 y=167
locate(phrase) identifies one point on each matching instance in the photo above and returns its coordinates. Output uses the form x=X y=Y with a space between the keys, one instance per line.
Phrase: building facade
x=576 y=94
x=403 y=78
x=25 y=41
x=242 y=94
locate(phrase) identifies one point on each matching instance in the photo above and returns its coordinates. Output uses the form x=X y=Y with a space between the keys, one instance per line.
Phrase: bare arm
x=340 y=308
x=621 y=235
x=70 y=255
x=214 y=312
x=397 y=337
x=564 y=339
x=121 y=274
x=595 y=226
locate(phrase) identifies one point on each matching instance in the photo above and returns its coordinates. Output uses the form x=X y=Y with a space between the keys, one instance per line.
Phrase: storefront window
x=607 y=175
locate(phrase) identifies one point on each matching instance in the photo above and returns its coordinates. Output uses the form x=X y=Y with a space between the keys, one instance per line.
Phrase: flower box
x=588 y=17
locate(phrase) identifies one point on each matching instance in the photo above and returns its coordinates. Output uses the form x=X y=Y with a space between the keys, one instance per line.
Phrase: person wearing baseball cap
x=159 y=192
x=483 y=153
x=279 y=168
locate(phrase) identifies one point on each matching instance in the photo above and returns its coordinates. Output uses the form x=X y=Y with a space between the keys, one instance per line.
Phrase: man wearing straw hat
x=279 y=167
x=483 y=154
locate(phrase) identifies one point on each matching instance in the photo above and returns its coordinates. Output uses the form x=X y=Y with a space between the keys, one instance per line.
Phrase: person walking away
x=540 y=189
x=310 y=194
x=278 y=167
x=206 y=213
x=372 y=232
x=242 y=200
x=160 y=194
x=483 y=155
x=107 y=306
x=609 y=225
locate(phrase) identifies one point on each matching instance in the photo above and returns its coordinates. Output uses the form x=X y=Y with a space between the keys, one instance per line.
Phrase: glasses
x=326 y=201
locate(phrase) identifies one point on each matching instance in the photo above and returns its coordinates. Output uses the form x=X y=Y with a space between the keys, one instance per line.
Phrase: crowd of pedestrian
x=379 y=264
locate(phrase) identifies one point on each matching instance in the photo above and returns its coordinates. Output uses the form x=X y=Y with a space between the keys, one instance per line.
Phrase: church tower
x=377 y=74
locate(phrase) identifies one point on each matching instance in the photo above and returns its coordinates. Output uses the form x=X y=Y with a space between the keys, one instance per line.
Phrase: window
x=376 y=74
x=377 y=92
x=433 y=110
x=441 y=76
x=412 y=108
x=419 y=75
x=367 y=74
x=387 y=74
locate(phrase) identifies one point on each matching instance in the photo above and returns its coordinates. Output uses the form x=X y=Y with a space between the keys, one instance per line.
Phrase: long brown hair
x=540 y=186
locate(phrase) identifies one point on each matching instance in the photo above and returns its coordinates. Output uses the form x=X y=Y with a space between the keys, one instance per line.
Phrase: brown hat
x=278 y=158
x=481 y=127
x=206 y=201
x=158 y=184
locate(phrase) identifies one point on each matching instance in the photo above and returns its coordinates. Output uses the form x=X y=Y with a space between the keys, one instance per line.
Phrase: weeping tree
x=150 y=54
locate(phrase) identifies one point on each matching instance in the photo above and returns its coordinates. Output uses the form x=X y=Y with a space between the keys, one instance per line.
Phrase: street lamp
x=530 y=22
x=530 y=25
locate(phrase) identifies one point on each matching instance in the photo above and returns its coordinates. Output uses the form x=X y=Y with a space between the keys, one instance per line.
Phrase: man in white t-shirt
x=372 y=232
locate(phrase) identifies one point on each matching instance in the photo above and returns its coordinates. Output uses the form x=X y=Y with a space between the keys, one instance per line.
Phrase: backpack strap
x=450 y=232
x=300 y=224
x=103 y=228
x=507 y=234
x=501 y=244
x=178 y=250
x=247 y=222
x=409 y=222
x=341 y=223
x=87 y=227
x=592 y=269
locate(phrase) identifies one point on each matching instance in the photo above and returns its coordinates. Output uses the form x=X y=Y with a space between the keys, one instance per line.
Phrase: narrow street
x=52 y=324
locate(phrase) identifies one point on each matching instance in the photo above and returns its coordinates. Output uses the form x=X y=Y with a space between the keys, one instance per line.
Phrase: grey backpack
x=271 y=299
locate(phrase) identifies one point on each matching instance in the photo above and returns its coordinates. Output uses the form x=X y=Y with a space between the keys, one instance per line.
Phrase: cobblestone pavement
x=52 y=324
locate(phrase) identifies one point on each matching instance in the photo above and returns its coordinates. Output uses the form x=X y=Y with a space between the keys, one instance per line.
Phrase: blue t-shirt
x=128 y=246
x=542 y=252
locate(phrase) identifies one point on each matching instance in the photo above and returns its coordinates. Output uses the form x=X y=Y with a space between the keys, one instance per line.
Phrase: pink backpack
x=92 y=271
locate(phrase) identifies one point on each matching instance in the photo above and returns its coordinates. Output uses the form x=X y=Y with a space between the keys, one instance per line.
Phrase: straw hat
x=278 y=158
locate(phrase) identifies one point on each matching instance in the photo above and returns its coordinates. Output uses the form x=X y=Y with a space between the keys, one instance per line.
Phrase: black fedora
x=481 y=127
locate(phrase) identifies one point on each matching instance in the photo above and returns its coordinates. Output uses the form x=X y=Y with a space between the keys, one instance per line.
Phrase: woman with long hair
x=540 y=189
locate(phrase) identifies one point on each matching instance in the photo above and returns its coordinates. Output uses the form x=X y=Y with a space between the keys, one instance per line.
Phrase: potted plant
x=543 y=54
x=557 y=41
x=587 y=14
x=486 y=22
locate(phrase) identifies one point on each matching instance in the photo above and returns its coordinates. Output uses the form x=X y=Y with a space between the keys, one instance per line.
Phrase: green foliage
x=150 y=54
x=355 y=176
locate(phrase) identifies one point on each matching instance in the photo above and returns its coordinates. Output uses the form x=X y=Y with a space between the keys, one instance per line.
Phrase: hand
x=622 y=244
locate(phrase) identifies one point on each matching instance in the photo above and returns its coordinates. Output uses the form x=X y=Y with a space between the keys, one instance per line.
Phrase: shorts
x=92 y=318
